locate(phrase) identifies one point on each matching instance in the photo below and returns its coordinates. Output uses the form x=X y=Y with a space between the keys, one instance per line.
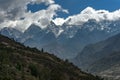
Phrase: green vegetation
x=18 y=62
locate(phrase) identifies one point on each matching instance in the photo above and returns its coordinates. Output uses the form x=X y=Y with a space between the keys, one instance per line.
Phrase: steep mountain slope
x=101 y=57
x=112 y=73
x=108 y=67
x=18 y=62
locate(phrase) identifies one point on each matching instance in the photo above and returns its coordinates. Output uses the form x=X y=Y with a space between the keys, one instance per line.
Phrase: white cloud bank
x=90 y=13
x=11 y=12
x=59 y=21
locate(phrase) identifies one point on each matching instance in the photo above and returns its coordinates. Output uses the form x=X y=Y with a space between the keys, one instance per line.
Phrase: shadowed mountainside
x=18 y=62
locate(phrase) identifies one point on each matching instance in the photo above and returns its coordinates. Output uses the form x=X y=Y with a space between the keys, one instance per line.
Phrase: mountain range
x=66 y=40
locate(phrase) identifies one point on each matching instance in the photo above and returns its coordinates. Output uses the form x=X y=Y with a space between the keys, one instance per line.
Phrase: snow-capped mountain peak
x=52 y=27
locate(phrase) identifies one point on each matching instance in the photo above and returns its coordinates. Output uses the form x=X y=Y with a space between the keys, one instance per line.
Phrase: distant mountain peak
x=33 y=29
x=34 y=26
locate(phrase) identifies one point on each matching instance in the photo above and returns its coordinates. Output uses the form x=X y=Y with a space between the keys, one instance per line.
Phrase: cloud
x=14 y=9
x=12 y=4
x=11 y=12
x=90 y=13
x=43 y=17
x=59 y=21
